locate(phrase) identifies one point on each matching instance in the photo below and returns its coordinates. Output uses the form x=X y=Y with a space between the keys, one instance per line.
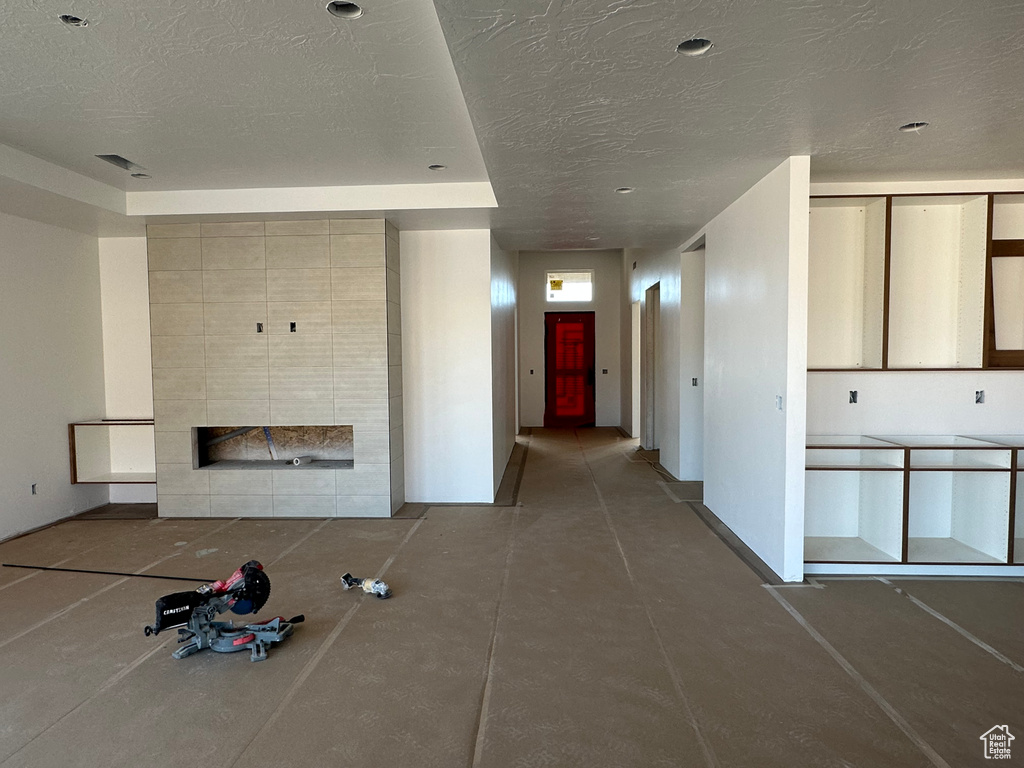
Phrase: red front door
x=569 y=369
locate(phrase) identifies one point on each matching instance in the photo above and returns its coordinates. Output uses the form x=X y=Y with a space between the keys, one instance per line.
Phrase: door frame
x=650 y=322
x=549 y=419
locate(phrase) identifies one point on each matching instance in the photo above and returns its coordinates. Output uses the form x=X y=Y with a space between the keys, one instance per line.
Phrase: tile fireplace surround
x=277 y=324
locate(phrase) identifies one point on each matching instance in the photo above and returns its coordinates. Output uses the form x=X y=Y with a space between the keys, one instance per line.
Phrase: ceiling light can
x=624 y=190
x=696 y=46
x=344 y=10
x=141 y=176
x=73 y=21
x=913 y=127
x=436 y=167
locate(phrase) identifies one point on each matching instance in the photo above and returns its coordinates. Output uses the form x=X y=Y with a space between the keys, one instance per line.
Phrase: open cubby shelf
x=916 y=282
x=934 y=499
x=93 y=448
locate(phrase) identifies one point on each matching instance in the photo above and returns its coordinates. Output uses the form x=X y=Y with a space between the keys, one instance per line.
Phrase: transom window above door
x=576 y=285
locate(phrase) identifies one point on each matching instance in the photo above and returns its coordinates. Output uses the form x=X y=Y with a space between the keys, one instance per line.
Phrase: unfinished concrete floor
x=599 y=623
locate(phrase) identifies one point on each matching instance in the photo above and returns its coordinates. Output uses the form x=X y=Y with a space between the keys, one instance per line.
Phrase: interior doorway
x=649 y=331
x=569 y=369
x=634 y=353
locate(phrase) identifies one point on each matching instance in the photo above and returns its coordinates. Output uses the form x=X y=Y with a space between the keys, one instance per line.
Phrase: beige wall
x=127 y=366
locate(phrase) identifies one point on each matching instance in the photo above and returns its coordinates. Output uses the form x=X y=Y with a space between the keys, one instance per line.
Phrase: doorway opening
x=634 y=353
x=569 y=369
x=649 y=331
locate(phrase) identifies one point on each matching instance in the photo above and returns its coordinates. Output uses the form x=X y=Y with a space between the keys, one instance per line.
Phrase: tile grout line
x=710 y=760
x=485 y=700
x=954 y=626
x=861 y=681
x=67 y=609
x=325 y=646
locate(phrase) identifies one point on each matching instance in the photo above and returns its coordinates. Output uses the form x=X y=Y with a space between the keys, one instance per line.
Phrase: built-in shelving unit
x=854 y=500
x=925 y=500
x=926 y=282
x=92 y=443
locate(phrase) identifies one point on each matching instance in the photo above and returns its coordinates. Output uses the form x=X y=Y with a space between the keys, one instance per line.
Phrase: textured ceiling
x=573 y=98
x=564 y=100
x=254 y=93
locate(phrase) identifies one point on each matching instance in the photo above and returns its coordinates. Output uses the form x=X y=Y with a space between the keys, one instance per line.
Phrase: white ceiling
x=555 y=102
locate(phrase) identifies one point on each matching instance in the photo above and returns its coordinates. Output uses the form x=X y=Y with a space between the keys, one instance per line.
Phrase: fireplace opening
x=293 y=447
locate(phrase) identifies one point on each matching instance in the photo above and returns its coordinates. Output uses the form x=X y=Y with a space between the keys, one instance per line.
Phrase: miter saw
x=193 y=613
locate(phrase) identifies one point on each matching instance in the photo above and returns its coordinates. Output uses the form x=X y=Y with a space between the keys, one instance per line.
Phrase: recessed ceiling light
x=141 y=176
x=913 y=127
x=73 y=21
x=624 y=190
x=593 y=237
x=436 y=167
x=697 y=46
x=344 y=10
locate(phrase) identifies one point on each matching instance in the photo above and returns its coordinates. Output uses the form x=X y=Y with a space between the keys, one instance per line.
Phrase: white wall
x=607 y=309
x=127 y=366
x=755 y=344
x=691 y=366
x=663 y=267
x=446 y=366
x=914 y=403
x=51 y=369
x=504 y=269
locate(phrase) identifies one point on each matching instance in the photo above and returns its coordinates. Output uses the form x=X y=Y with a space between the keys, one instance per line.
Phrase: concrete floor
x=598 y=623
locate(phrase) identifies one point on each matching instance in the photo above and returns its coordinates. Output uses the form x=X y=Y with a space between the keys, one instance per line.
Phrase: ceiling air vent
x=121 y=162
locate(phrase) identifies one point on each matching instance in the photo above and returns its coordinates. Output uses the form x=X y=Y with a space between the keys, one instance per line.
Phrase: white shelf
x=1008 y=217
x=971 y=508
x=120 y=477
x=937 y=281
x=844 y=549
x=855 y=506
x=855 y=458
x=112 y=451
x=845 y=441
x=945 y=550
x=846 y=278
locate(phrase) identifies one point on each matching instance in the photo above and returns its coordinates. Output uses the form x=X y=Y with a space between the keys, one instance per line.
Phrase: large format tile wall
x=338 y=281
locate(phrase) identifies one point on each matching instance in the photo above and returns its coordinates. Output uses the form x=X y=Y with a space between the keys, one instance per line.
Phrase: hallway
x=597 y=623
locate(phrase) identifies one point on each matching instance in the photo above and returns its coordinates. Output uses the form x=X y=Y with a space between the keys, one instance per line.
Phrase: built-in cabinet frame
x=888 y=221
x=89 y=451
x=978 y=475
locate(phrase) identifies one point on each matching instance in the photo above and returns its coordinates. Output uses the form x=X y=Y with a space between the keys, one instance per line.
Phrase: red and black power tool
x=193 y=613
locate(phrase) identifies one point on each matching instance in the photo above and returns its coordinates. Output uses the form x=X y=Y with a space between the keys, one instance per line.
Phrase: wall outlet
x=778 y=402
x=979 y=396
x=853 y=395
x=693 y=381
